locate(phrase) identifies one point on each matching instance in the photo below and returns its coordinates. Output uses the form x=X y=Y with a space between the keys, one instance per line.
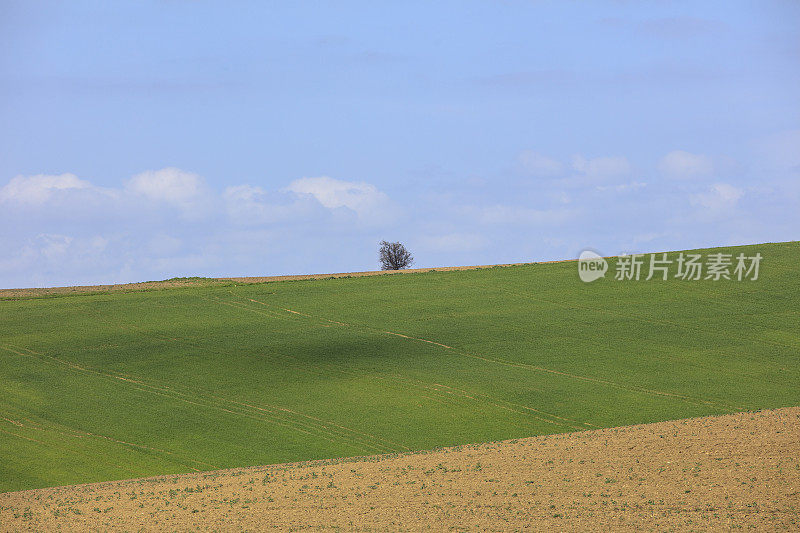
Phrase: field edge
x=729 y=471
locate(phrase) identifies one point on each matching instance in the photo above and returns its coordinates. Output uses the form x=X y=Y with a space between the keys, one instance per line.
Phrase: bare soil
x=373 y=273
x=84 y=289
x=733 y=471
x=168 y=284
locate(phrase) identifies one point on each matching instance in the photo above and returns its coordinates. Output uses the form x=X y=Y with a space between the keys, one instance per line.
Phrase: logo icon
x=591 y=266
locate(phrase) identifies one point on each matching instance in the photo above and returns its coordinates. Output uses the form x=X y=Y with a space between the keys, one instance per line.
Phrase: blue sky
x=145 y=140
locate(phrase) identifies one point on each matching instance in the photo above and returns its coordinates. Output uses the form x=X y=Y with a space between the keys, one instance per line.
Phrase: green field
x=121 y=385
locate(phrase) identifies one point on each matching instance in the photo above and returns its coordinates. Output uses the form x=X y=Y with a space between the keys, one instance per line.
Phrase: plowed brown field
x=176 y=283
x=734 y=471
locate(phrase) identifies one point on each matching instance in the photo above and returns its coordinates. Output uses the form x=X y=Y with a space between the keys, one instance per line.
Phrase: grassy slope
x=110 y=386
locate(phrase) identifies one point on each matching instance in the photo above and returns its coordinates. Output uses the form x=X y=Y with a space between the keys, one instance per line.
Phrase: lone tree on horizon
x=394 y=256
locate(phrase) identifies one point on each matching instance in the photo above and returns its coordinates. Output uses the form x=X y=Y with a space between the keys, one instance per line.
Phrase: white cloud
x=363 y=198
x=51 y=246
x=252 y=205
x=37 y=259
x=167 y=222
x=243 y=193
x=540 y=165
x=171 y=185
x=245 y=202
x=684 y=165
x=719 y=196
x=602 y=167
x=39 y=188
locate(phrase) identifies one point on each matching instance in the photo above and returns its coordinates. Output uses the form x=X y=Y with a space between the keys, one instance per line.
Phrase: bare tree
x=394 y=256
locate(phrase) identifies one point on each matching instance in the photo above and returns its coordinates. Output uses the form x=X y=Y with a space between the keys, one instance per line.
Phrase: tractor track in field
x=479 y=397
x=632 y=388
x=377 y=444
x=350 y=437
x=436 y=389
x=441 y=396
x=327 y=430
x=55 y=360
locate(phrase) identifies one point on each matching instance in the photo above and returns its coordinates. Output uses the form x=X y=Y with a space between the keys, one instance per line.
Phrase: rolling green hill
x=120 y=385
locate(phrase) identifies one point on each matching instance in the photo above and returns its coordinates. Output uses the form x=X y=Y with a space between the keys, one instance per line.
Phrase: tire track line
x=530 y=409
x=24 y=437
x=83 y=434
x=238 y=306
x=344 y=434
x=486 y=398
x=347 y=435
x=443 y=397
x=402 y=383
x=149 y=389
x=400 y=447
x=631 y=388
x=77 y=452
